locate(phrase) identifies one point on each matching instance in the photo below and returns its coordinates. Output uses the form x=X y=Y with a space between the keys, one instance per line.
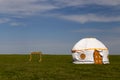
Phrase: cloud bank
x=42 y=7
x=90 y=18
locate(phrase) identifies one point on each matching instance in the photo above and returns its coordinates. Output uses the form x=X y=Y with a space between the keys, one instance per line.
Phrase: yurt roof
x=89 y=43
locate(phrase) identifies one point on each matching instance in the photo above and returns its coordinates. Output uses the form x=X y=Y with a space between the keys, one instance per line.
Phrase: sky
x=54 y=26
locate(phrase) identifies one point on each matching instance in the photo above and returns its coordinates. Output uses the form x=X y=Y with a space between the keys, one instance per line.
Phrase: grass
x=56 y=67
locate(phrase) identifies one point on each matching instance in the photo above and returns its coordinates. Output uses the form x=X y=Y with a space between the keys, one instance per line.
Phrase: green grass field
x=56 y=67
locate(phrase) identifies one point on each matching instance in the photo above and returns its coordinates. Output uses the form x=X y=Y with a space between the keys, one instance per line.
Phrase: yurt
x=90 y=51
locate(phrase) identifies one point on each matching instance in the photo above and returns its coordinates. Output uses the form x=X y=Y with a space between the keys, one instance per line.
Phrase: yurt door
x=97 y=57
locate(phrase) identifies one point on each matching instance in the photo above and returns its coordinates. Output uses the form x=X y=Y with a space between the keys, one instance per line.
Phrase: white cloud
x=33 y=7
x=90 y=18
x=10 y=22
x=4 y=20
x=16 y=24
x=107 y=2
x=24 y=7
x=87 y=2
x=30 y=7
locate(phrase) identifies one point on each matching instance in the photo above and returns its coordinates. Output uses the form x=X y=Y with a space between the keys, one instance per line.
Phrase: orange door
x=97 y=57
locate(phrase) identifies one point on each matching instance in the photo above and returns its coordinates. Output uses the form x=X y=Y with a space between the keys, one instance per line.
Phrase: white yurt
x=90 y=51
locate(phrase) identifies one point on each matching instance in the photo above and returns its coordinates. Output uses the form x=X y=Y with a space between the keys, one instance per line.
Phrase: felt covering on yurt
x=84 y=50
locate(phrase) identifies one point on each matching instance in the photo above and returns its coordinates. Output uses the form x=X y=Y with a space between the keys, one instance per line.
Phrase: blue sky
x=54 y=26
